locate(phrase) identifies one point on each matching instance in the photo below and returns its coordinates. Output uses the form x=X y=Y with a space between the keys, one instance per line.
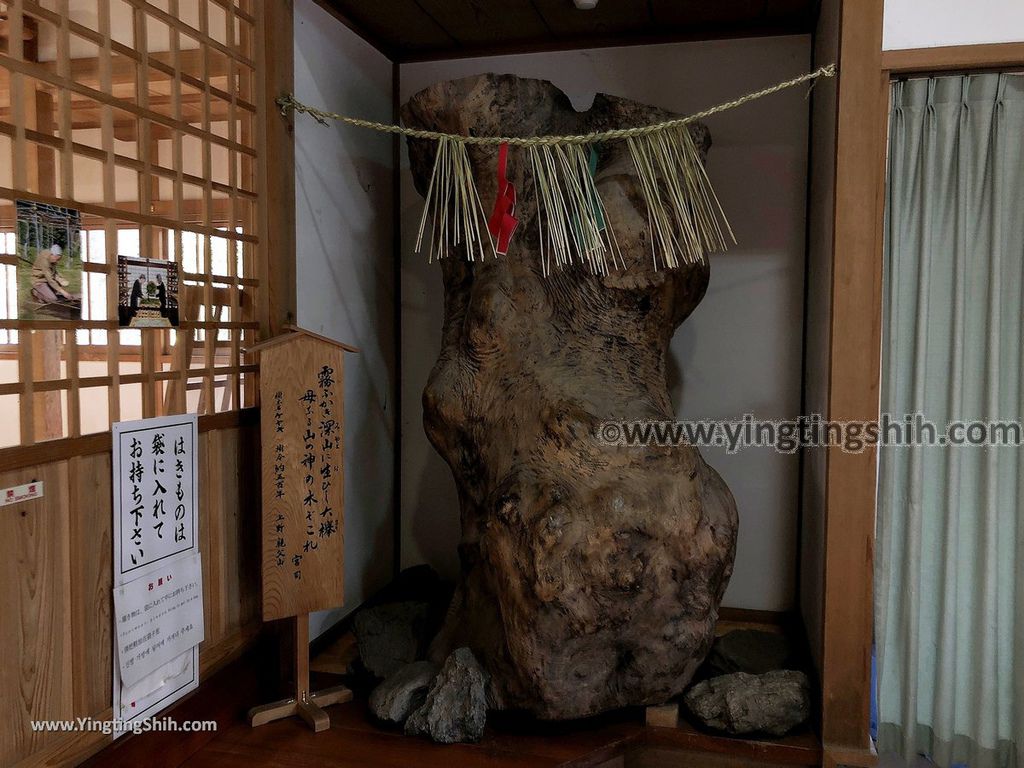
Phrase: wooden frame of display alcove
x=848 y=32
x=852 y=32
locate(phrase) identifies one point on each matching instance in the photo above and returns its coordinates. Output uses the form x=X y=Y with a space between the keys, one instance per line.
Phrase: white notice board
x=156 y=565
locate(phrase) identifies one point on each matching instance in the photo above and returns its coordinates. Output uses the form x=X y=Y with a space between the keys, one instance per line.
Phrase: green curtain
x=949 y=560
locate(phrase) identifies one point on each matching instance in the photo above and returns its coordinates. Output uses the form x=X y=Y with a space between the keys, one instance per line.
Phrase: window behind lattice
x=143 y=117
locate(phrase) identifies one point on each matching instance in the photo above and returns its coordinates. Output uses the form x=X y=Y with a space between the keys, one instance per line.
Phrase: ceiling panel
x=409 y=30
x=608 y=18
x=700 y=13
x=394 y=26
x=477 y=22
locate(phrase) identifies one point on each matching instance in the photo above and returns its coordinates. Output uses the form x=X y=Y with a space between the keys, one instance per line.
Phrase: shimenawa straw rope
x=684 y=216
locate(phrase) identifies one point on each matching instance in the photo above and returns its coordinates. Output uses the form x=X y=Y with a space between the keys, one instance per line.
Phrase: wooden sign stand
x=305 y=704
x=302 y=437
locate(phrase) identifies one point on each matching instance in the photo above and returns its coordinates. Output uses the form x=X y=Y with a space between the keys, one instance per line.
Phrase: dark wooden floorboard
x=356 y=740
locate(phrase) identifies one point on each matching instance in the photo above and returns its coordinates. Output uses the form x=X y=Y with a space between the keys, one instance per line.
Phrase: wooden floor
x=354 y=740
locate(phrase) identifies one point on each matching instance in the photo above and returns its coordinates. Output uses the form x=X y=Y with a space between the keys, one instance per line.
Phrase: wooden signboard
x=302 y=431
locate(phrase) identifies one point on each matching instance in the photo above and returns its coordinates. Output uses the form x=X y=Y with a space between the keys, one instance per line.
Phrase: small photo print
x=49 y=262
x=147 y=293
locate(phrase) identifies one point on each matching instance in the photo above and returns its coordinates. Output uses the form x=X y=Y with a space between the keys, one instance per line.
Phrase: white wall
x=931 y=23
x=739 y=352
x=345 y=274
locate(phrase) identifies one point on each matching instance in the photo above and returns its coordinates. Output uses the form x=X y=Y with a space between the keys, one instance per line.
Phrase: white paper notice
x=159 y=617
x=155 y=493
x=156 y=544
x=163 y=688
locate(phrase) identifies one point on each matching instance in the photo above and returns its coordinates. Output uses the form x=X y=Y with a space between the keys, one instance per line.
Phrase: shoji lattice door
x=144 y=116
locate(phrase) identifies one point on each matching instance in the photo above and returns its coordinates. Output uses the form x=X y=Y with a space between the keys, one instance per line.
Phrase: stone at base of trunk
x=455 y=709
x=403 y=692
x=772 y=703
x=390 y=636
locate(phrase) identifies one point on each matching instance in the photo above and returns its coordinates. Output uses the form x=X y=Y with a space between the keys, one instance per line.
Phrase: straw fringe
x=571 y=218
x=453 y=206
x=684 y=216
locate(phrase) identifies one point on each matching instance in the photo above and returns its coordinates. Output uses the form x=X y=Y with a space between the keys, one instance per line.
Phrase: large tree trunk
x=591 y=573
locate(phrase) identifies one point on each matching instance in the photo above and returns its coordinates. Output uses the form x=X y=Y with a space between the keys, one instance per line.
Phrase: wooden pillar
x=277 y=187
x=853 y=385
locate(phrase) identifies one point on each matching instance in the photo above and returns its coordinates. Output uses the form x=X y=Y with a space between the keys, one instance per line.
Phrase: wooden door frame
x=952 y=58
x=865 y=73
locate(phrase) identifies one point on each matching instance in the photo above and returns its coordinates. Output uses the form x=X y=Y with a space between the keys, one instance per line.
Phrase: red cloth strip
x=502 y=224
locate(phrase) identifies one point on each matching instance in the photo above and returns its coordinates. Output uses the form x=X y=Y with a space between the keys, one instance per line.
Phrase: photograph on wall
x=147 y=293
x=49 y=262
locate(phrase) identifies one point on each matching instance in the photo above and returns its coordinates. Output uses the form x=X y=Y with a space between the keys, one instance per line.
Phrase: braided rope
x=288 y=101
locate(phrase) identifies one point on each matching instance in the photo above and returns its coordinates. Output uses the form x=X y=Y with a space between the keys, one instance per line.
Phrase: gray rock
x=391 y=635
x=749 y=650
x=403 y=692
x=455 y=709
x=772 y=703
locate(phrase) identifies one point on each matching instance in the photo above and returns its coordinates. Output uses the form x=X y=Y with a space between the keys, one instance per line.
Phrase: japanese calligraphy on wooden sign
x=302 y=430
x=156 y=566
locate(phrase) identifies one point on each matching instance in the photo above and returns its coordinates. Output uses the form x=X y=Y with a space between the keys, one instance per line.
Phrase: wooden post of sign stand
x=305 y=703
x=303 y=526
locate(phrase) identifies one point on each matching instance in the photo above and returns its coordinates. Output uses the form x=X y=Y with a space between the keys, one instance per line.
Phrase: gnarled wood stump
x=591 y=574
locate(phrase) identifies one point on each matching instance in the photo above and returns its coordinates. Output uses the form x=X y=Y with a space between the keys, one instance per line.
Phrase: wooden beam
x=29 y=69
x=954 y=57
x=86 y=70
x=121 y=214
x=86 y=114
x=19 y=457
x=191 y=211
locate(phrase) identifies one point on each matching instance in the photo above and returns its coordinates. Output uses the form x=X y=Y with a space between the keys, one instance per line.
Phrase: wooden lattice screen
x=146 y=118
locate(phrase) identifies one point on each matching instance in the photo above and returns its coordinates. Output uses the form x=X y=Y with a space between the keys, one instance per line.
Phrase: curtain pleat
x=949 y=580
